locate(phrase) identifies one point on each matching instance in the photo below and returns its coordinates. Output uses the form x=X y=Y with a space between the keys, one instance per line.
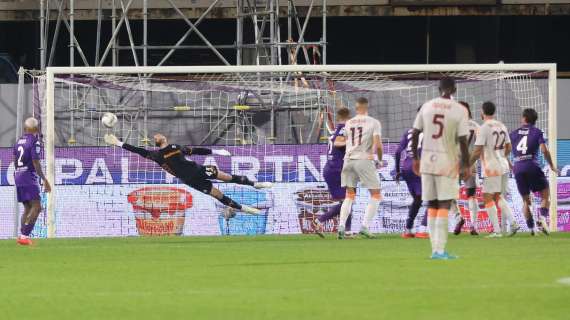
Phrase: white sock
x=370 y=212
x=473 y=210
x=507 y=212
x=492 y=212
x=432 y=233
x=441 y=225
x=344 y=212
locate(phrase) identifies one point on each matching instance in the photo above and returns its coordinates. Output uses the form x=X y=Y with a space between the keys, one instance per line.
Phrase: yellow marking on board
x=241 y=107
x=181 y=108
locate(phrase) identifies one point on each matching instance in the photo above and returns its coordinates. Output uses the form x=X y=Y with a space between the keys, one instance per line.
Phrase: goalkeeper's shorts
x=201 y=178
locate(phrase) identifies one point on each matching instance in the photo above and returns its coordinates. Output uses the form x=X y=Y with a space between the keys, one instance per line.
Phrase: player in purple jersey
x=27 y=173
x=413 y=182
x=332 y=170
x=527 y=141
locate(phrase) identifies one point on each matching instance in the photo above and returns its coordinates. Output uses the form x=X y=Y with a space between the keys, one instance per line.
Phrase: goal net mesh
x=275 y=126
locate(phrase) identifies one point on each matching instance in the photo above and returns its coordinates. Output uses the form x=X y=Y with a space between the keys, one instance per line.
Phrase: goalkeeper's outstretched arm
x=112 y=140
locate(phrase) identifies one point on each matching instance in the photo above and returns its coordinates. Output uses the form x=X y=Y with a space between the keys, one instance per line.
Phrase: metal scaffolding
x=264 y=19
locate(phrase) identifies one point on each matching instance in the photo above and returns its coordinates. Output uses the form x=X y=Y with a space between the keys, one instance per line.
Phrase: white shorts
x=497 y=184
x=363 y=171
x=439 y=187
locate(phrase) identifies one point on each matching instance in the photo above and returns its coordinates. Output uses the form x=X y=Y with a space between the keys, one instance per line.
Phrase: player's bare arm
x=548 y=157
x=508 y=149
x=477 y=151
x=379 y=148
x=465 y=161
x=40 y=173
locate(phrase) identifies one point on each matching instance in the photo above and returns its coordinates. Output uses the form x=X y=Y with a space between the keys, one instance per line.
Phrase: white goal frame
x=51 y=72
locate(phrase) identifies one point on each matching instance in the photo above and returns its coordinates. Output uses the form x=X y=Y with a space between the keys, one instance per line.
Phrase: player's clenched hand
x=111 y=139
x=416 y=167
x=222 y=152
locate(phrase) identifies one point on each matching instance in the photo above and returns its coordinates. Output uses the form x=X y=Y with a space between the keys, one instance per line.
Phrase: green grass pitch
x=284 y=277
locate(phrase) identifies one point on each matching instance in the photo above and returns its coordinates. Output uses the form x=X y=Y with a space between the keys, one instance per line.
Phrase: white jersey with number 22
x=442 y=122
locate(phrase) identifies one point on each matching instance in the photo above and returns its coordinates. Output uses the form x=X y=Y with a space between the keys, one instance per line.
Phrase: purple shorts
x=28 y=193
x=530 y=179
x=413 y=182
x=332 y=178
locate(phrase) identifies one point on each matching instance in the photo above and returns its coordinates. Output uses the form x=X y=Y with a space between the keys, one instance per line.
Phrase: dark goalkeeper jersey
x=172 y=159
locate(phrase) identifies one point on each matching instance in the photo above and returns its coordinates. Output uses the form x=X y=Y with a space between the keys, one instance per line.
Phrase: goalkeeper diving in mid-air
x=172 y=158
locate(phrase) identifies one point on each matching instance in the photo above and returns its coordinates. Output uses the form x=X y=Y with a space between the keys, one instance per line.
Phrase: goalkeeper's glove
x=221 y=152
x=112 y=140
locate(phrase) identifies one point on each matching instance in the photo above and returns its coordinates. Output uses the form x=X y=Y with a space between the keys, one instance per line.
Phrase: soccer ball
x=109 y=119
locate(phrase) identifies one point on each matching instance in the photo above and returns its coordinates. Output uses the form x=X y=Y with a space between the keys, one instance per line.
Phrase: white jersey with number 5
x=360 y=132
x=493 y=136
x=442 y=122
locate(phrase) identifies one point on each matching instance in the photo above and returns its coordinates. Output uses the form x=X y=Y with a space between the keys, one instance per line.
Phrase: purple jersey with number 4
x=26 y=150
x=526 y=142
x=333 y=167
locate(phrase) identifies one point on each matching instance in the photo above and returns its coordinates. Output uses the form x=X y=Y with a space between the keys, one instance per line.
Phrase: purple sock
x=333 y=211
x=544 y=212
x=424 y=219
x=26 y=229
x=530 y=223
x=348 y=222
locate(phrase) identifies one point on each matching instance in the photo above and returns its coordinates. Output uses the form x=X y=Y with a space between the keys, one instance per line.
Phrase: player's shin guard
x=413 y=213
x=441 y=226
x=230 y=203
x=492 y=212
x=506 y=211
x=371 y=211
x=344 y=212
x=473 y=210
x=432 y=215
x=241 y=180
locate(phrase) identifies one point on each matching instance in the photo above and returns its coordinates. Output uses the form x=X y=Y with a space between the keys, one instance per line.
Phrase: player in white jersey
x=493 y=146
x=471 y=183
x=363 y=154
x=444 y=126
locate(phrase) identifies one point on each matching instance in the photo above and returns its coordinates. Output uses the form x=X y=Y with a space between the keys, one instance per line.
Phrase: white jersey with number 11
x=360 y=132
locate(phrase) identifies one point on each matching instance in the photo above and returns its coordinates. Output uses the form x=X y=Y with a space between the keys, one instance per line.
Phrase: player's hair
x=343 y=113
x=362 y=100
x=447 y=85
x=530 y=115
x=31 y=123
x=466 y=105
x=488 y=108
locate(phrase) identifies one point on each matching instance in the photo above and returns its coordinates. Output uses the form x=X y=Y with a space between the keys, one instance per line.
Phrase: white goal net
x=273 y=120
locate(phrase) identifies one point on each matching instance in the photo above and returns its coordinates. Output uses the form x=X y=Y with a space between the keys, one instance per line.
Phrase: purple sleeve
x=540 y=137
x=36 y=149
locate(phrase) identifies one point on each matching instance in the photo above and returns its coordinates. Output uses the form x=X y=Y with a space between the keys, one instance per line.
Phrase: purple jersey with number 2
x=526 y=142
x=335 y=161
x=26 y=150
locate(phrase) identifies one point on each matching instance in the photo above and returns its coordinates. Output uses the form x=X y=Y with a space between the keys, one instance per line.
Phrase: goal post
x=366 y=78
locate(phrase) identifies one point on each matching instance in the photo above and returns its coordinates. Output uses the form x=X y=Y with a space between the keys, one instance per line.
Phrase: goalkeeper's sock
x=473 y=210
x=492 y=213
x=229 y=202
x=371 y=211
x=241 y=180
x=344 y=212
x=441 y=227
x=432 y=214
x=332 y=212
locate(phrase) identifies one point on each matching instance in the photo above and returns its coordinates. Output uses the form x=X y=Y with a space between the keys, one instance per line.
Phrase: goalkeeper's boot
x=494 y=235
x=422 y=235
x=24 y=241
x=543 y=225
x=262 y=185
x=250 y=210
x=458 y=226
x=318 y=228
x=514 y=229
x=365 y=233
x=474 y=232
